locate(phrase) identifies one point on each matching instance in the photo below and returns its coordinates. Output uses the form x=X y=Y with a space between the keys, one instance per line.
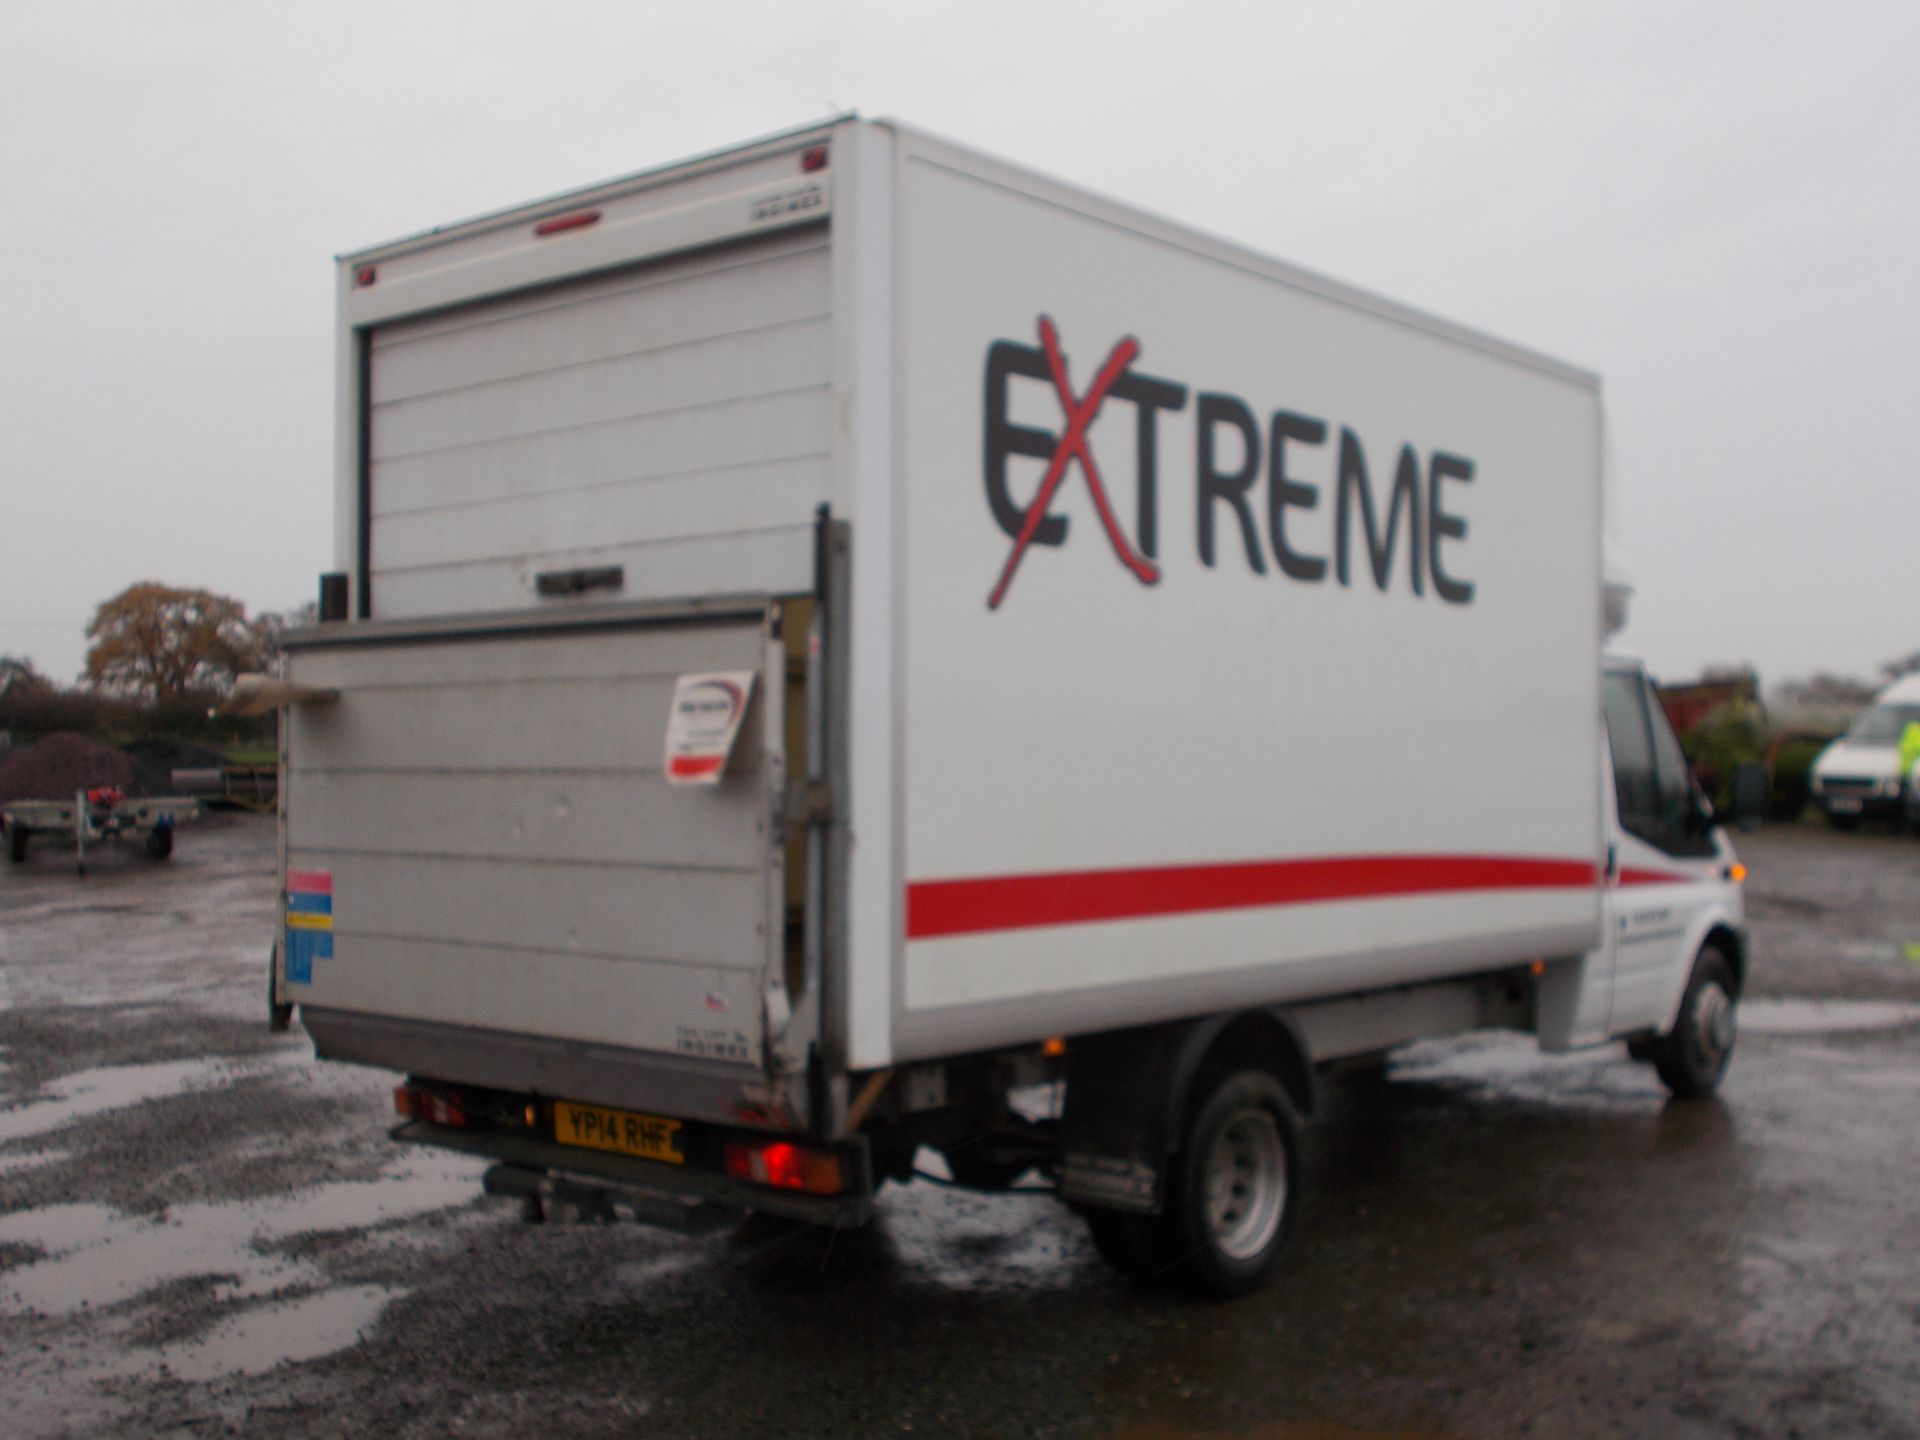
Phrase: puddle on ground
x=1824 y=1017
x=93 y=1092
x=962 y=1241
x=20 y=1163
x=1514 y=1065
x=282 y=1331
x=97 y=1256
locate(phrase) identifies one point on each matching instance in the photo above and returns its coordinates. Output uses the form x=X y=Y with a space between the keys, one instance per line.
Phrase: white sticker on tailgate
x=707 y=710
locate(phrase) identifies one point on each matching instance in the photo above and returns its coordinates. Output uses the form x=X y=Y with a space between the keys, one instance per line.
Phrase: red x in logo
x=1073 y=446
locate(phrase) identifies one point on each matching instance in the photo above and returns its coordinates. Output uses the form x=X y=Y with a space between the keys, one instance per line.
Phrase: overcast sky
x=1716 y=206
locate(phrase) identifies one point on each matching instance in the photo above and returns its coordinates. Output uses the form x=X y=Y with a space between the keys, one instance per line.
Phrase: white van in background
x=1858 y=775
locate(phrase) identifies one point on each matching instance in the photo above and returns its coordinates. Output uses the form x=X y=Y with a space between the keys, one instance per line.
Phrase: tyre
x=1129 y=1243
x=16 y=843
x=1232 y=1189
x=159 y=844
x=1844 y=822
x=1692 y=1059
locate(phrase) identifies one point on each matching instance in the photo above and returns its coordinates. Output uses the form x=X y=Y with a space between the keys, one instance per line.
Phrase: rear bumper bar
x=671 y=1196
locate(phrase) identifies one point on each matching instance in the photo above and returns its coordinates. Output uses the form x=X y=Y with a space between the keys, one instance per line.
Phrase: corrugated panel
x=673 y=419
x=505 y=851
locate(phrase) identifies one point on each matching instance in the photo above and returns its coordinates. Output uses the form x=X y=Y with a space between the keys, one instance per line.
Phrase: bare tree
x=1906 y=665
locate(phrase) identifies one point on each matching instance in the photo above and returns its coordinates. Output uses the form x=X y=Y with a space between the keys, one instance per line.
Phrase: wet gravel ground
x=202 y=1232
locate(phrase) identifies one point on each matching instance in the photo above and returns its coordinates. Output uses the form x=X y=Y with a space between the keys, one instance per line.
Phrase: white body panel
x=1093 y=725
x=671 y=418
x=502 y=852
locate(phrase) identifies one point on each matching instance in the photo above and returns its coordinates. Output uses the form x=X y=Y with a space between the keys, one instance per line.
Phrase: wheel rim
x=1246 y=1185
x=1713 y=1028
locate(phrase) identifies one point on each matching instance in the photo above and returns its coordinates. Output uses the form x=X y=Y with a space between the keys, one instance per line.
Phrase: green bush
x=1733 y=735
x=1792 y=778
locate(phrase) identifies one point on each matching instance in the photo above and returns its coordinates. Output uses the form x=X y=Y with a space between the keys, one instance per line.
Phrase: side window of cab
x=1652 y=783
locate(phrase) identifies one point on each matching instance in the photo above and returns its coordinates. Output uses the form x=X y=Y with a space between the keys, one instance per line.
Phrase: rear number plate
x=620 y=1131
x=1844 y=804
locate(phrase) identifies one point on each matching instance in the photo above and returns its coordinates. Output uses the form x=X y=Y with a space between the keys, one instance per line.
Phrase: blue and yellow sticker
x=309 y=922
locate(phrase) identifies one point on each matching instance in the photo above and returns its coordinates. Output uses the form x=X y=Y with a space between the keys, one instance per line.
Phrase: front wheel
x=17 y=843
x=1693 y=1057
x=159 y=843
x=1231 y=1191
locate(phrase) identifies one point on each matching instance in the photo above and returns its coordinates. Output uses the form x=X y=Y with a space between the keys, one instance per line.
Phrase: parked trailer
x=838 y=637
x=93 y=816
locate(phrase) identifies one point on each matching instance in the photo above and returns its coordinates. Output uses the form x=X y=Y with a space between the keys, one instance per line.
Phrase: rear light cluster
x=787 y=1166
x=465 y=1108
x=416 y=1102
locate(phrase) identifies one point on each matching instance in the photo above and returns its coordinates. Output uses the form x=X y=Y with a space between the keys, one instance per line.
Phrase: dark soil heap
x=155 y=760
x=60 y=765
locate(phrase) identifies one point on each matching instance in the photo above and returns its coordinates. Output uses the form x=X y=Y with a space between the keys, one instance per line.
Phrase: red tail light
x=417 y=1102
x=786 y=1165
x=813 y=159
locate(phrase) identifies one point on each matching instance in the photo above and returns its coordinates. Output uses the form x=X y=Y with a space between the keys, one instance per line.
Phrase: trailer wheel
x=159 y=843
x=17 y=843
x=1232 y=1188
x=1692 y=1058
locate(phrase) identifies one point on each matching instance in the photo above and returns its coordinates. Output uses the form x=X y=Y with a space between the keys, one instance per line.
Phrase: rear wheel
x=159 y=844
x=1129 y=1243
x=1692 y=1058
x=16 y=842
x=1231 y=1190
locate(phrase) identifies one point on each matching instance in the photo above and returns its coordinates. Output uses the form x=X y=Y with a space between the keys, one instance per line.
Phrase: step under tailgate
x=489 y=877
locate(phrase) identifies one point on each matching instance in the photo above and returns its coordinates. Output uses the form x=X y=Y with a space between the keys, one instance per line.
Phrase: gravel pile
x=60 y=765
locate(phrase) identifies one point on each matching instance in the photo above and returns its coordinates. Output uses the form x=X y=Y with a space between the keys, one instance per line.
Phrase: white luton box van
x=845 y=646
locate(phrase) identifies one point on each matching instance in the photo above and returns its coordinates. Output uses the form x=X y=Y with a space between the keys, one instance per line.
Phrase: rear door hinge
x=809 y=802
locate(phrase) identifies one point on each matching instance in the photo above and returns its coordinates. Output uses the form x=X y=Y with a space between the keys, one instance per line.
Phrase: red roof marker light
x=559 y=224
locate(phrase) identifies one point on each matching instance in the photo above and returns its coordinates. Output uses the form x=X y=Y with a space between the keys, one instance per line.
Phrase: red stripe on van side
x=1653 y=877
x=1024 y=902
x=684 y=767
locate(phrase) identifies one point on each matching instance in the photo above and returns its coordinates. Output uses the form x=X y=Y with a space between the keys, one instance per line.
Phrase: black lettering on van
x=1148 y=396
x=1354 y=483
x=1441 y=525
x=1283 y=491
x=1004 y=438
x=1213 y=484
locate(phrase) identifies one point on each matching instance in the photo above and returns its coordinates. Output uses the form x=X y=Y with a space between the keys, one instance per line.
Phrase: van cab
x=1674 y=922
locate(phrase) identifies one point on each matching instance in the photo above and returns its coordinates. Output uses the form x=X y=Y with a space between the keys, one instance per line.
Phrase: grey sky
x=1715 y=206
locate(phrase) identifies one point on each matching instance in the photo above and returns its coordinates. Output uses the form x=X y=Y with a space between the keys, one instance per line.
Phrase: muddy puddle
x=273 y=1307
x=95 y=1092
x=281 y=1332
